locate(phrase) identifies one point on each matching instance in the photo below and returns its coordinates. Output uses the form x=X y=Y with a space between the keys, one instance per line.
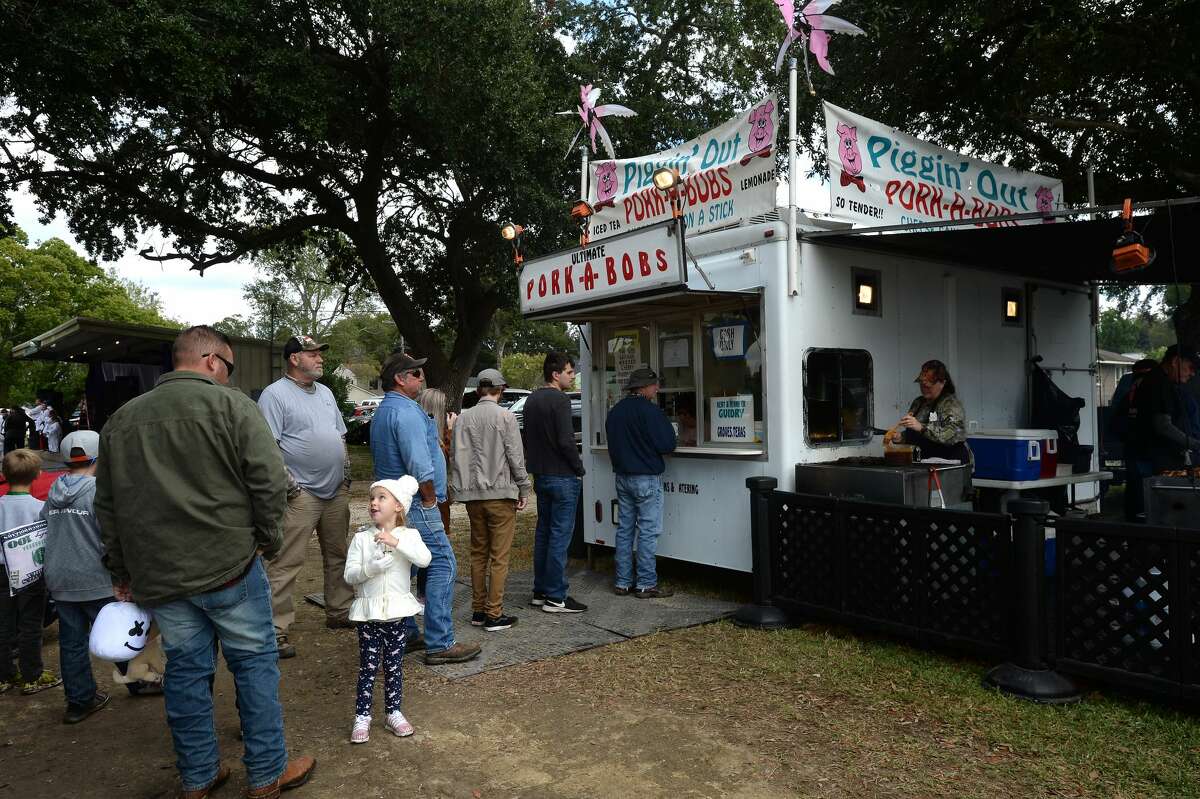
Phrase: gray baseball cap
x=491 y=378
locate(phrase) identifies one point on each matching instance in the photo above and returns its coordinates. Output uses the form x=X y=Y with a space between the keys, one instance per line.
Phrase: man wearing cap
x=1161 y=420
x=304 y=418
x=639 y=434
x=404 y=440
x=489 y=476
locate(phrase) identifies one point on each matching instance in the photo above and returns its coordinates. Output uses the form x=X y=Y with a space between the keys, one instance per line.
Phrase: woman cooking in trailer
x=936 y=421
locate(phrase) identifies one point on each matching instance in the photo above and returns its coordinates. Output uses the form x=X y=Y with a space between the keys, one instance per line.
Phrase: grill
x=874 y=480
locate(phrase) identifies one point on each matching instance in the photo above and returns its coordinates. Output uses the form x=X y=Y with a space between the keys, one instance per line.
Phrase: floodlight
x=665 y=178
x=510 y=231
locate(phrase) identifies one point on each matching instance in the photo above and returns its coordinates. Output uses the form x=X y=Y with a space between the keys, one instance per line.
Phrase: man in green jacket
x=190 y=490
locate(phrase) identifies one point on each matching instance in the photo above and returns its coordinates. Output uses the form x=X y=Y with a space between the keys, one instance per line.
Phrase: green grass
x=920 y=721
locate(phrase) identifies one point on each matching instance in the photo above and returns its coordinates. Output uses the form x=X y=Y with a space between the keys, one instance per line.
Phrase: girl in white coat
x=378 y=563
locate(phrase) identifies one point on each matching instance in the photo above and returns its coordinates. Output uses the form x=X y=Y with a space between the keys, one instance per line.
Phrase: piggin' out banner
x=880 y=176
x=728 y=175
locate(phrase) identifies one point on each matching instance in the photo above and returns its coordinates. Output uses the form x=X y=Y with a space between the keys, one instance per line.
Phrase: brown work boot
x=296 y=774
x=459 y=653
x=339 y=623
x=217 y=782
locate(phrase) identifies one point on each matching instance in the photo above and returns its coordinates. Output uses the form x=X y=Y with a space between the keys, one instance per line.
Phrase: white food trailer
x=775 y=378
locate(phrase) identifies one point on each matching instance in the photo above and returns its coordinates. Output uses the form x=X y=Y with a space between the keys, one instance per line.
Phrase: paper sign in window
x=731 y=419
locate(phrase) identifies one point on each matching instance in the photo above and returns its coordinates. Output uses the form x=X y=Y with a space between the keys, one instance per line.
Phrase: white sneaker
x=361 y=733
x=398 y=725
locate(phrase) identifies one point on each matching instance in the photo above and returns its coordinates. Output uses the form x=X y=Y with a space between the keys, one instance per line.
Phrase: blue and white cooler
x=1009 y=454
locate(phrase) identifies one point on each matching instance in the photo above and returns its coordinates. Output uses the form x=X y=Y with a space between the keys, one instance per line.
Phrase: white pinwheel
x=591 y=114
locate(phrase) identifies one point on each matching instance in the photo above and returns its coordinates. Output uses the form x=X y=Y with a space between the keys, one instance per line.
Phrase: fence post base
x=1044 y=686
x=760 y=617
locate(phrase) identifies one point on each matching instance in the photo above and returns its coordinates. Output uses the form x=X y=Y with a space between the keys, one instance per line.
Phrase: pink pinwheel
x=591 y=114
x=812 y=27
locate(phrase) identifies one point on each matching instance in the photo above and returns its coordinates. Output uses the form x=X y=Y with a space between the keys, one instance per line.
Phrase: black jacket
x=550 y=436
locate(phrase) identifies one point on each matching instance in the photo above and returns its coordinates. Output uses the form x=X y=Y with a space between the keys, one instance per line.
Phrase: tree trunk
x=448 y=373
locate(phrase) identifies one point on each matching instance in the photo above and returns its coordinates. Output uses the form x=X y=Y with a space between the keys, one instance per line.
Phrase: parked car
x=366 y=408
x=510 y=395
x=518 y=409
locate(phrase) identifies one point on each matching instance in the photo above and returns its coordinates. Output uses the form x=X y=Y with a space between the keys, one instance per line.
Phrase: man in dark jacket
x=551 y=456
x=639 y=434
x=190 y=490
x=1161 y=422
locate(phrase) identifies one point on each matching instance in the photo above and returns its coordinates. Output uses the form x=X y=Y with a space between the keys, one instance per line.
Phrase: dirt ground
x=705 y=712
x=531 y=731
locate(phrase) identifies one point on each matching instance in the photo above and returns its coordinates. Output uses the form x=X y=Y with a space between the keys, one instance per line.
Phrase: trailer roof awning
x=1064 y=251
x=82 y=340
x=643 y=306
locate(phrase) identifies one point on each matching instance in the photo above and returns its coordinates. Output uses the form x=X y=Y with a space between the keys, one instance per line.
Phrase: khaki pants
x=493 y=522
x=331 y=519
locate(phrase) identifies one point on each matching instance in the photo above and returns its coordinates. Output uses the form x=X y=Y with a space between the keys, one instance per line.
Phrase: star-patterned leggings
x=380 y=642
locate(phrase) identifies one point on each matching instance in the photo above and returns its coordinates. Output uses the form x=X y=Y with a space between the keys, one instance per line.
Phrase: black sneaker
x=478 y=618
x=657 y=592
x=77 y=713
x=621 y=590
x=501 y=622
x=538 y=600
x=568 y=605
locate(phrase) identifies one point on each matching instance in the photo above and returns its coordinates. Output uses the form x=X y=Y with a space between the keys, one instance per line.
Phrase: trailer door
x=1061 y=331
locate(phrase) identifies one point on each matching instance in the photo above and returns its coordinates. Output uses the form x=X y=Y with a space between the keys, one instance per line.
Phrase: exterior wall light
x=511 y=231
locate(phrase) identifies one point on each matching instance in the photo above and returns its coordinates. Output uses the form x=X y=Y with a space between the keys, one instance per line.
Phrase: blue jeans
x=557 y=496
x=75 y=621
x=439 y=582
x=640 y=509
x=239 y=617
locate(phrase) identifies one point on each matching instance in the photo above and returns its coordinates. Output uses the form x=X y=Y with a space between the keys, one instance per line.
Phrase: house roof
x=1108 y=356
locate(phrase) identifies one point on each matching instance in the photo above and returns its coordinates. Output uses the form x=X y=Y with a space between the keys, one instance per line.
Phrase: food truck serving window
x=838 y=386
x=710 y=366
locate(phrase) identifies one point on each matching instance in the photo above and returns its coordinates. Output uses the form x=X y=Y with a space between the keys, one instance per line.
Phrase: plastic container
x=1007 y=454
x=1049 y=453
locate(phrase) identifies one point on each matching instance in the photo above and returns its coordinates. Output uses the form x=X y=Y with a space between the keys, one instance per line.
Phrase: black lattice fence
x=1118 y=586
x=934 y=576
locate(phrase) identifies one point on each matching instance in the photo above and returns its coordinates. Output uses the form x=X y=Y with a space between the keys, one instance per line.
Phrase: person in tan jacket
x=488 y=475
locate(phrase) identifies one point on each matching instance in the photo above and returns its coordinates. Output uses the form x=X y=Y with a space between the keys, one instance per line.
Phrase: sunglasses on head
x=228 y=364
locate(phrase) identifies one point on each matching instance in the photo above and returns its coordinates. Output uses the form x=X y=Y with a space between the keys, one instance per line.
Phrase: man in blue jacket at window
x=639 y=434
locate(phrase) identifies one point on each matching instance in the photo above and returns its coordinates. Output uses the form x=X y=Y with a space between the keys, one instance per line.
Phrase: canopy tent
x=1062 y=250
x=125 y=360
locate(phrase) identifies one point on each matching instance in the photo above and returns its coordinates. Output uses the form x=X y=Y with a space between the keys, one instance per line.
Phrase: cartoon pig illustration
x=1045 y=202
x=762 y=126
x=848 y=153
x=606 y=183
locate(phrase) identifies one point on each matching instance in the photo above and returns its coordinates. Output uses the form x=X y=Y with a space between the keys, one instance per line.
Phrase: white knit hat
x=402 y=489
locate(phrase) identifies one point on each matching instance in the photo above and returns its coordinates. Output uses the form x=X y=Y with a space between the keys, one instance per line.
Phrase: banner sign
x=24 y=551
x=728 y=175
x=636 y=263
x=881 y=176
x=732 y=418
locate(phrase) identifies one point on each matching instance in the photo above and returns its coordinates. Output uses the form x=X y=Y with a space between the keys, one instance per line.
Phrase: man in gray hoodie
x=75 y=574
